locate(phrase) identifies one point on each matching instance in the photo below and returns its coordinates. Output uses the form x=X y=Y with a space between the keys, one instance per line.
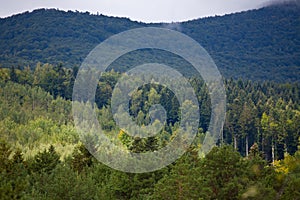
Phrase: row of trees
x=222 y=174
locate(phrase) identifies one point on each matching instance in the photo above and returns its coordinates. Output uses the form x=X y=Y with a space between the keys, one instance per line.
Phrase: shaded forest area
x=43 y=158
x=260 y=44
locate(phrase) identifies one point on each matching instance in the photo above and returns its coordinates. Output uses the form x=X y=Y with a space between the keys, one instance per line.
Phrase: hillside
x=53 y=147
x=53 y=36
x=260 y=44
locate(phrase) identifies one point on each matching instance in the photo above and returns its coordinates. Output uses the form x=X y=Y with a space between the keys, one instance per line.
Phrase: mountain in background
x=262 y=44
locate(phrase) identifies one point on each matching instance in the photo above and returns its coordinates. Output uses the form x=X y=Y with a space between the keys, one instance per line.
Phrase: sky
x=138 y=10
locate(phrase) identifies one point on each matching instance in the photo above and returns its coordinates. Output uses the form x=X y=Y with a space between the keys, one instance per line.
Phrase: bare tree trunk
x=262 y=141
x=33 y=102
x=247 y=146
x=235 y=141
x=285 y=148
x=222 y=136
x=273 y=153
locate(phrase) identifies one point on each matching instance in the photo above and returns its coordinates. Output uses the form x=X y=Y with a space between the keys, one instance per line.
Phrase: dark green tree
x=46 y=161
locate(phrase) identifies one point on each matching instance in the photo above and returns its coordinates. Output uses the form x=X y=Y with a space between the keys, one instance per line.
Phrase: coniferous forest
x=250 y=45
x=43 y=158
x=257 y=157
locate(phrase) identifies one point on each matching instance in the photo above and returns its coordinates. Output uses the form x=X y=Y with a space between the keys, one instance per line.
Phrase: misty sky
x=139 y=10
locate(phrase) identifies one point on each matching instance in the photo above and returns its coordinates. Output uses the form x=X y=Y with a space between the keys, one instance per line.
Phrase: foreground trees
x=222 y=174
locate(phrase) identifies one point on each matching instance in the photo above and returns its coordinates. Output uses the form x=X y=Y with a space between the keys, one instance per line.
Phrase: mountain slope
x=265 y=41
x=49 y=35
x=260 y=44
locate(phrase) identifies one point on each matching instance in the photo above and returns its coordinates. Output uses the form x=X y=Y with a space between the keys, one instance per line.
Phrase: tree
x=81 y=158
x=46 y=161
x=5 y=152
x=64 y=184
x=246 y=124
x=184 y=181
x=13 y=75
x=220 y=169
x=13 y=174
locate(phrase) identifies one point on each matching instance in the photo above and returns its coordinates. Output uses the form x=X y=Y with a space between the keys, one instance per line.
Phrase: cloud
x=176 y=26
x=275 y=2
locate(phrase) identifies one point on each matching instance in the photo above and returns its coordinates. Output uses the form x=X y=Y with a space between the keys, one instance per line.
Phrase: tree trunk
x=33 y=101
x=262 y=141
x=247 y=146
x=273 y=153
x=235 y=141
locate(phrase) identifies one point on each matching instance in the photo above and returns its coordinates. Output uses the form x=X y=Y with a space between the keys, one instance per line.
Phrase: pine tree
x=46 y=161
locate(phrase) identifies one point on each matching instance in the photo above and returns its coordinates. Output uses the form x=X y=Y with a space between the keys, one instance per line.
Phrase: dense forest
x=257 y=156
x=42 y=157
x=260 y=44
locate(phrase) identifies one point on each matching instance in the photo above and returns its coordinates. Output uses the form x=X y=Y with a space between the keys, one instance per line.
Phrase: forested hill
x=260 y=44
x=53 y=36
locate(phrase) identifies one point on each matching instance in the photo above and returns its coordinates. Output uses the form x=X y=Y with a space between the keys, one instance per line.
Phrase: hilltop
x=261 y=44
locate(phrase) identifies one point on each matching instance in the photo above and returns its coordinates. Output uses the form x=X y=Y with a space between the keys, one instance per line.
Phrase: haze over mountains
x=259 y=44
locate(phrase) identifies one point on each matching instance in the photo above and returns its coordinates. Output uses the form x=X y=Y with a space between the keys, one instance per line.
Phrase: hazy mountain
x=259 y=44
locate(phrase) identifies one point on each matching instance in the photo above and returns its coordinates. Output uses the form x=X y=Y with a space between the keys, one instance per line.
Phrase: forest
x=42 y=157
x=256 y=157
x=249 y=45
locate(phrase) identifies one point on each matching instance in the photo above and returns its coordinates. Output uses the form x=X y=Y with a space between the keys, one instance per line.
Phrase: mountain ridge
x=250 y=44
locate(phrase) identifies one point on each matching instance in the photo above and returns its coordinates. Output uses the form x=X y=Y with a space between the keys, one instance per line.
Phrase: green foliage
x=62 y=183
x=13 y=174
x=259 y=44
x=5 y=152
x=220 y=169
x=263 y=116
x=62 y=36
x=183 y=178
x=222 y=174
x=45 y=161
x=81 y=158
